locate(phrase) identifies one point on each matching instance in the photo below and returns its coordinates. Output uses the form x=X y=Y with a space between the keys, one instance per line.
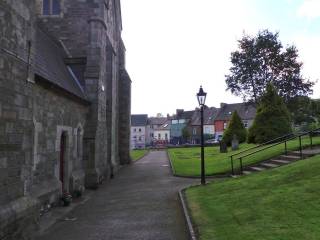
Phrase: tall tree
x=261 y=60
x=272 y=119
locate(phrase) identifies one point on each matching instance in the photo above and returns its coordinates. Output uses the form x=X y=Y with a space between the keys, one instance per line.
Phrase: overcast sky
x=174 y=46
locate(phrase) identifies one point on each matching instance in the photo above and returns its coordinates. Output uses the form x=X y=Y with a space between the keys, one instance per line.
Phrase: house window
x=245 y=124
x=166 y=136
x=139 y=129
x=159 y=136
x=224 y=125
x=134 y=129
x=151 y=134
x=139 y=138
x=51 y=7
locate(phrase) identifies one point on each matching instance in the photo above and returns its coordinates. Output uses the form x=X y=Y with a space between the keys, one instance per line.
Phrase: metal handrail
x=262 y=144
x=275 y=144
x=255 y=147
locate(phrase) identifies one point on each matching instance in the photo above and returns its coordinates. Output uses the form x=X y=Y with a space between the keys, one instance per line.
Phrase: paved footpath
x=141 y=202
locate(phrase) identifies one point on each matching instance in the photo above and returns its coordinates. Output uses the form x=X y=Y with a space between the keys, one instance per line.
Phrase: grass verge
x=186 y=161
x=282 y=203
x=137 y=154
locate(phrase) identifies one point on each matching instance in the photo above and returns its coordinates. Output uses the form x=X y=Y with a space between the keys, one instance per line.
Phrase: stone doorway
x=63 y=147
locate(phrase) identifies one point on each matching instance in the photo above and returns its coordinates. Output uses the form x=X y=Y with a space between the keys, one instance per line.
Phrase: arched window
x=51 y=7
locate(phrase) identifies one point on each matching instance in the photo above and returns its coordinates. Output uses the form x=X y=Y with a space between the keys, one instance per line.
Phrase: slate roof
x=184 y=115
x=166 y=125
x=246 y=111
x=195 y=120
x=49 y=64
x=209 y=115
x=157 y=120
x=139 y=120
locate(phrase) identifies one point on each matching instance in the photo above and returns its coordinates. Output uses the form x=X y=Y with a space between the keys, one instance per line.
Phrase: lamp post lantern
x=201 y=95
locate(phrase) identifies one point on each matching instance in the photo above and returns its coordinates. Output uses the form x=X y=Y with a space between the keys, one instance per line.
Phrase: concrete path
x=140 y=203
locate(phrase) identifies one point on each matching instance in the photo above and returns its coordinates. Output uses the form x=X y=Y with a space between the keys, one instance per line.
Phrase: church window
x=46 y=7
x=55 y=7
x=51 y=7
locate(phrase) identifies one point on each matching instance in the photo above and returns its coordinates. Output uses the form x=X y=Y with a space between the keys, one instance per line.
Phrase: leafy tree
x=301 y=109
x=272 y=119
x=261 y=60
x=315 y=106
x=305 y=112
x=235 y=127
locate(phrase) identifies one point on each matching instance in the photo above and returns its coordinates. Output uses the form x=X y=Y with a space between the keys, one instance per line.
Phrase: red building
x=246 y=111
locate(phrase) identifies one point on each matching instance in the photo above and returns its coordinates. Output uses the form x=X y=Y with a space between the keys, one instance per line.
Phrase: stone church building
x=65 y=100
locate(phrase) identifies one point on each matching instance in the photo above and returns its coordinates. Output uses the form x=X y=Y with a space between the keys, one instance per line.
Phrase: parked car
x=212 y=141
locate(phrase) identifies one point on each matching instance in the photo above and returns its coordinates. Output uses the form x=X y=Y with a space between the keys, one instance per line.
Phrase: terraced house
x=139 y=131
x=64 y=104
x=246 y=111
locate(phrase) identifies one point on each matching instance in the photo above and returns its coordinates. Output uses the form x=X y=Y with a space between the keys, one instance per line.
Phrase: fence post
x=285 y=147
x=300 y=147
x=232 y=169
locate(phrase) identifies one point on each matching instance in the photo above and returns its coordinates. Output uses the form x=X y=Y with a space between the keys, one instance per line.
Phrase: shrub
x=272 y=119
x=235 y=127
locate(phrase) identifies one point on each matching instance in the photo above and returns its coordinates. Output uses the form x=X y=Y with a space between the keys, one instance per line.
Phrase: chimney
x=179 y=111
x=222 y=105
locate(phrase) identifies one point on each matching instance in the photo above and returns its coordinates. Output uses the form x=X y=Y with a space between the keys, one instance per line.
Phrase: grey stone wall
x=34 y=115
x=92 y=29
x=124 y=109
x=124 y=117
x=17 y=210
x=54 y=114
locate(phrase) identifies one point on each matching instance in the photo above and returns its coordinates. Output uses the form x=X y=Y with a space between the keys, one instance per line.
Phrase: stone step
x=295 y=153
x=270 y=165
x=280 y=161
x=289 y=157
x=247 y=172
x=257 y=168
x=307 y=152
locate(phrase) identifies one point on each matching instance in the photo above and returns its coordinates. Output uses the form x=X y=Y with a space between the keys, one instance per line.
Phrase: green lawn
x=283 y=203
x=137 y=154
x=186 y=161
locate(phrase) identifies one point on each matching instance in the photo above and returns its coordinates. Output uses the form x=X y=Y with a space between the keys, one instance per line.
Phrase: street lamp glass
x=201 y=95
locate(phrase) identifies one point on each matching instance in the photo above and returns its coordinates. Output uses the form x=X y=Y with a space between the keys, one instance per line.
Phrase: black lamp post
x=201 y=95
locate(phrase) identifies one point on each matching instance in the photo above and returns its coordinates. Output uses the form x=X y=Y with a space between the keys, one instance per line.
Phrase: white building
x=155 y=127
x=163 y=132
x=139 y=124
